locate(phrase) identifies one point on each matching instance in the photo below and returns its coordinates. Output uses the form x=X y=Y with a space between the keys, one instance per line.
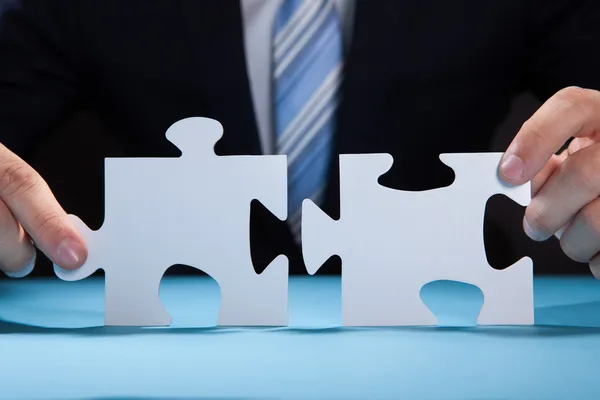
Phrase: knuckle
x=575 y=96
x=578 y=99
x=17 y=178
x=534 y=130
x=587 y=222
x=583 y=169
x=48 y=223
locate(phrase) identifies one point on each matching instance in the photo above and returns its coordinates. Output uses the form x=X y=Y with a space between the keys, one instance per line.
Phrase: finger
x=579 y=143
x=572 y=112
x=17 y=254
x=538 y=181
x=595 y=266
x=32 y=203
x=580 y=241
x=571 y=187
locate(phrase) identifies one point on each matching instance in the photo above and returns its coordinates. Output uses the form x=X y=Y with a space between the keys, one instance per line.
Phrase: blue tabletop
x=53 y=346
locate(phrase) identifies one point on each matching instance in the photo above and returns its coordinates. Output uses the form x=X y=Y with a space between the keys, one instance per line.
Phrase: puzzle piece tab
x=192 y=210
x=392 y=242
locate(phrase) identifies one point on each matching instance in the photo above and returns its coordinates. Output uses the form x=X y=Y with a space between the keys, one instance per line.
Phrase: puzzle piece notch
x=199 y=216
x=453 y=303
x=384 y=238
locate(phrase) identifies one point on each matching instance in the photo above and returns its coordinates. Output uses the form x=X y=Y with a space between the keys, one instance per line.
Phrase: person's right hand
x=29 y=213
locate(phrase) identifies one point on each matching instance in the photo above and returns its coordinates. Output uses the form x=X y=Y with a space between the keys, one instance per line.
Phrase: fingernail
x=70 y=253
x=532 y=233
x=560 y=232
x=512 y=167
x=595 y=269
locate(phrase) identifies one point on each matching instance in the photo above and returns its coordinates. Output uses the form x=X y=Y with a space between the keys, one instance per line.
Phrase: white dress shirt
x=258 y=17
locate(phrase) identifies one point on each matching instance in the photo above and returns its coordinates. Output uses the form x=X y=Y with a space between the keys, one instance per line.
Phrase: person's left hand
x=565 y=187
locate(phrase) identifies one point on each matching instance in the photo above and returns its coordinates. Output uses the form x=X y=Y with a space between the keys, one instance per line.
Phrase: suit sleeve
x=39 y=86
x=564 y=48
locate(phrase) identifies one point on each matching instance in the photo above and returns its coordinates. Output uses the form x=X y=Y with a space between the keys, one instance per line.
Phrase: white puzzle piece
x=192 y=210
x=392 y=242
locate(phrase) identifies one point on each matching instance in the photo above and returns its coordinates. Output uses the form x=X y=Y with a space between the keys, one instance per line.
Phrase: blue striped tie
x=307 y=65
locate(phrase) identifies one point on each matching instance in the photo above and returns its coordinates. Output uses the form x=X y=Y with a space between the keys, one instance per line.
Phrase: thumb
x=34 y=206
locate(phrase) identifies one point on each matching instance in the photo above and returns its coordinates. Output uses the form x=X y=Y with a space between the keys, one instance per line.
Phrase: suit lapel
x=215 y=39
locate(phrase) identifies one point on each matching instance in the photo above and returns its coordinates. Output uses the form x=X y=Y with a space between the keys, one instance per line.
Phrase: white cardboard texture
x=192 y=210
x=393 y=242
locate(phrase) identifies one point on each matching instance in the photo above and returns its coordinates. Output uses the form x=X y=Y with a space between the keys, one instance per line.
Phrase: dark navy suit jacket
x=422 y=77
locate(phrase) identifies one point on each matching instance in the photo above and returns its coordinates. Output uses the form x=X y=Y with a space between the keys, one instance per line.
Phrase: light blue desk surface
x=53 y=346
